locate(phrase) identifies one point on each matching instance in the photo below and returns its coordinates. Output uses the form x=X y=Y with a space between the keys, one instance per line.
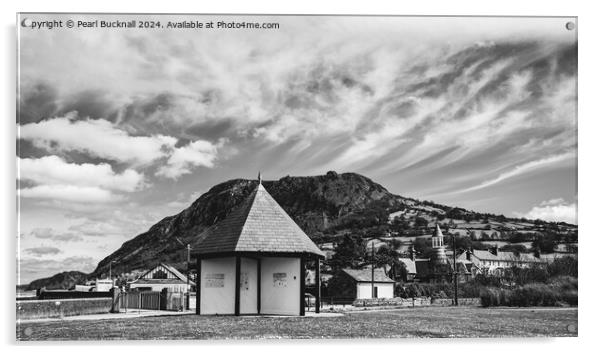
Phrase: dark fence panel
x=150 y=300
x=173 y=301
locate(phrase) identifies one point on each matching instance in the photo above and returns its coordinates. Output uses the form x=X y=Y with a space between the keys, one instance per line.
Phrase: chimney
x=494 y=250
x=412 y=254
x=469 y=254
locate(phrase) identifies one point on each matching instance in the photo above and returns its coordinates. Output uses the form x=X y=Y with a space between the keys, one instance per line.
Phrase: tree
x=516 y=249
x=387 y=256
x=473 y=235
x=423 y=247
x=421 y=222
x=545 y=244
x=349 y=253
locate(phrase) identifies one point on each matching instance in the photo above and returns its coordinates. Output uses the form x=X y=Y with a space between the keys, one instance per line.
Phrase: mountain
x=316 y=203
x=325 y=207
x=64 y=280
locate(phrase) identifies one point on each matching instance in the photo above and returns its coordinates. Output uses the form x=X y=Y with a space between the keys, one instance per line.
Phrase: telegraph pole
x=372 y=282
x=188 y=267
x=455 y=272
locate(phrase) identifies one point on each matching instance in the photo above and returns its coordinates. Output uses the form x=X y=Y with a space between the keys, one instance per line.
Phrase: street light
x=111 y=268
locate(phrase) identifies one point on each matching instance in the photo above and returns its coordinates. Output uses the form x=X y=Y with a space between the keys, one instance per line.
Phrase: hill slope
x=64 y=280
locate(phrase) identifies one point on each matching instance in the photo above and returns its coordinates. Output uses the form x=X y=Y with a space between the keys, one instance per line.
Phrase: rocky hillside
x=316 y=203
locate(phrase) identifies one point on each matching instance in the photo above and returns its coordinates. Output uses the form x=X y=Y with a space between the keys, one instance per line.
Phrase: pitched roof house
x=253 y=261
x=357 y=284
x=499 y=259
x=161 y=276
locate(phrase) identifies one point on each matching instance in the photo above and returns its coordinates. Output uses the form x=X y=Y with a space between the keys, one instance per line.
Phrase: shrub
x=491 y=297
x=560 y=291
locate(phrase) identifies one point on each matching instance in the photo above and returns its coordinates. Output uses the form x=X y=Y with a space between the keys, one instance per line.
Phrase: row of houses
x=469 y=263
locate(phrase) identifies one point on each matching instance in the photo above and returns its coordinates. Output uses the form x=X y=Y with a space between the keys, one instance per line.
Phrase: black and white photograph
x=268 y=177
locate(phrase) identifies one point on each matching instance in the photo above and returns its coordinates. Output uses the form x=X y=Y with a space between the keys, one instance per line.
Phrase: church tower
x=437 y=243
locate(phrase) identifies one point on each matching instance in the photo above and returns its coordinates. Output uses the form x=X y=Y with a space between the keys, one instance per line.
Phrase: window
x=159 y=274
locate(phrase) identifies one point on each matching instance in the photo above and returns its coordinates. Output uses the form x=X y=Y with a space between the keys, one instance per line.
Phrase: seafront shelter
x=253 y=261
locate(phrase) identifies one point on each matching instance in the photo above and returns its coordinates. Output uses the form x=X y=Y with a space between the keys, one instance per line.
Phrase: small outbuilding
x=360 y=284
x=160 y=277
x=253 y=261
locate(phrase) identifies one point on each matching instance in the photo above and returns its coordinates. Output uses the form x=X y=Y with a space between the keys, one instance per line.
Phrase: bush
x=560 y=291
x=534 y=295
x=437 y=290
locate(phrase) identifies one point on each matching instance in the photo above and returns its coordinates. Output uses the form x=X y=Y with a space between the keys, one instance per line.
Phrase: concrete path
x=110 y=316
x=148 y=313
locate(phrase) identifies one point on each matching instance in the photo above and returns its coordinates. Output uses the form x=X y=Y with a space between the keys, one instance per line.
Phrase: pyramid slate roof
x=258 y=225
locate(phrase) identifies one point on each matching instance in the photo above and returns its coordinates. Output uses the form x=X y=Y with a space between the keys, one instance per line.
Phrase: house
x=495 y=259
x=253 y=261
x=160 y=277
x=103 y=285
x=357 y=284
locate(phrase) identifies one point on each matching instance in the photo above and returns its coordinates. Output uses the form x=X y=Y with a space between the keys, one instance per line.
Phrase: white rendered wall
x=217 y=297
x=385 y=290
x=364 y=290
x=280 y=292
x=248 y=286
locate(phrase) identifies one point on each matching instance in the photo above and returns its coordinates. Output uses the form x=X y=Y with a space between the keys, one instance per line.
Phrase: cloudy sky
x=120 y=128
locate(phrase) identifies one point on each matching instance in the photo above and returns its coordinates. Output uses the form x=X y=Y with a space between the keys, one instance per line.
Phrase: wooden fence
x=153 y=300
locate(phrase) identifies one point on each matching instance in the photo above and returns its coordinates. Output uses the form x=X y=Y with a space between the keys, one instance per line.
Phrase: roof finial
x=259 y=177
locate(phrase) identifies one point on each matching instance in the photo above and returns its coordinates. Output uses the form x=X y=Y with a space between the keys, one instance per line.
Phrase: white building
x=103 y=284
x=253 y=261
x=160 y=277
x=383 y=285
x=500 y=259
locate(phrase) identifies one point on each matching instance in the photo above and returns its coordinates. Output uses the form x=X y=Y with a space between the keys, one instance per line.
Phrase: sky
x=118 y=128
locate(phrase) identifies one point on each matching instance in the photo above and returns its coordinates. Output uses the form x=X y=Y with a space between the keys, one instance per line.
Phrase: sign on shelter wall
x=280 y=280
x=214 y=280
x=244 y=281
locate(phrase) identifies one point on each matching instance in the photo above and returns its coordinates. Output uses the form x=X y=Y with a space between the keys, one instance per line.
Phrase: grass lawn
x=411 y=322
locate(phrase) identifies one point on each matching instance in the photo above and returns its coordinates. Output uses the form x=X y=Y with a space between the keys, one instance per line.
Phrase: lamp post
x=110 y=272
x=110 y=269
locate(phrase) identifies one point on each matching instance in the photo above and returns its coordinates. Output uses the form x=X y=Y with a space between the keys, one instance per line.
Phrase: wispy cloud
x=51 y=234
x=43 y=251
x=521 y=169
x=97 y=137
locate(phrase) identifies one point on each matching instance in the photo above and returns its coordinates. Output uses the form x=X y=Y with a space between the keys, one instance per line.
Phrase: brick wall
x=476 y=301
x=397 y=301
x=32 y=309
x=415 y=302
